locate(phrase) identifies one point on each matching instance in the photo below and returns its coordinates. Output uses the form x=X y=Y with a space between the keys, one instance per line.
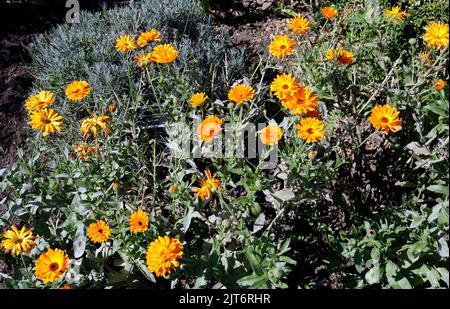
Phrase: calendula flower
x=342 y=55
x=281 y=46
x=45 y=120
x=198 y=99
x=299 y=25
x=164 y=53
x=94 y=125
x=143 y=59
x=311 y=129
x=303 y=101
x=329 y=12
x=38 y=101
x=424 y=56
x=125 y=43
x=207 y=186
x=439 y=84
x=112 y=107
x=138 y=222
x=51 y=265
x=271 y=134
x=395 y=14
x=17 y=241
x=436 y=35
x=209 y=128
x=116 y=186
x=98 y=232
x=284 y=86
x=163 y=255
x=241 y=93
x=78 y=90
x=83 y=150
x=148 y=36
x=172 y=188
x=385 y=118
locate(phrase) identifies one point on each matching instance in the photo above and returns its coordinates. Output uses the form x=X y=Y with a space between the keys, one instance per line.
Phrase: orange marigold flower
x=94 y=125
x=125 y=43
x=164 y=53
x=299 y=25
x=83 y=150
x=98 y=232
x=342 y=55
x=436 y=35
x=241 y=93
x=78 y=90
x=281 y=46
x=172 y=188
x=311 y=129
x=116 y=186
x=51 y=265
x=271 y=134
x=143 y=59
x=45 y=120
x=284 y=86
x=439 y=84
x=148 y=36
x=395 y=14
x=424 y=56
x=209 y=128
x=385 y=118
x=138 y=222
x=163 y=255
x=329 y=12
x=17 y=241
x=112 y=107
x=207 y=186
x=38 y=101
x=303 y=101
x=198 y=99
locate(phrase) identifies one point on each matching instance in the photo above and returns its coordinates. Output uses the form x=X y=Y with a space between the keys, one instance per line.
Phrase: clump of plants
x=161 y=158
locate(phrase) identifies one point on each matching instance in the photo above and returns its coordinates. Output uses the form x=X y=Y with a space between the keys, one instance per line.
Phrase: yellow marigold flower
x=98 y=232
x=311 y=129
x=125 y=43
x=143 y=59
x=83 y=150
x=241 y=93
x=45 y=120
x=436 y=35
x=172 y=188
x=281 y=46
x=299 y=25
x=148 y=36
x=112 y=107
x=163 y=255
x=198 y=99
x=331 y=54
x=395 y=14
x=17 y=241
x=284 y=86
x=51 y=265
x=94 y=125
x=439 y=84
x=41 y=100
x=329 y=12
x=385 y=118
x=207 y=186
x=164 y=53
x=209 y=128
x=78 y=90
x=138 y=222
x=303 y=101
x=271 y=134
x=116 y=186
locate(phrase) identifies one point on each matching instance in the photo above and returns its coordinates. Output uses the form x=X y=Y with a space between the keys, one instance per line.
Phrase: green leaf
x=374 y=274
x=438 y=189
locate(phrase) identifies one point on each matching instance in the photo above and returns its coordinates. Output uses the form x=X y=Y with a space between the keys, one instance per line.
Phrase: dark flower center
x=310 y=131
x=139 y=222
x=285 y=86
x=282 y=46
x=54 y=266
x=19 y=240
x=46 y=120
x=100 y=231
x=385 y=119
